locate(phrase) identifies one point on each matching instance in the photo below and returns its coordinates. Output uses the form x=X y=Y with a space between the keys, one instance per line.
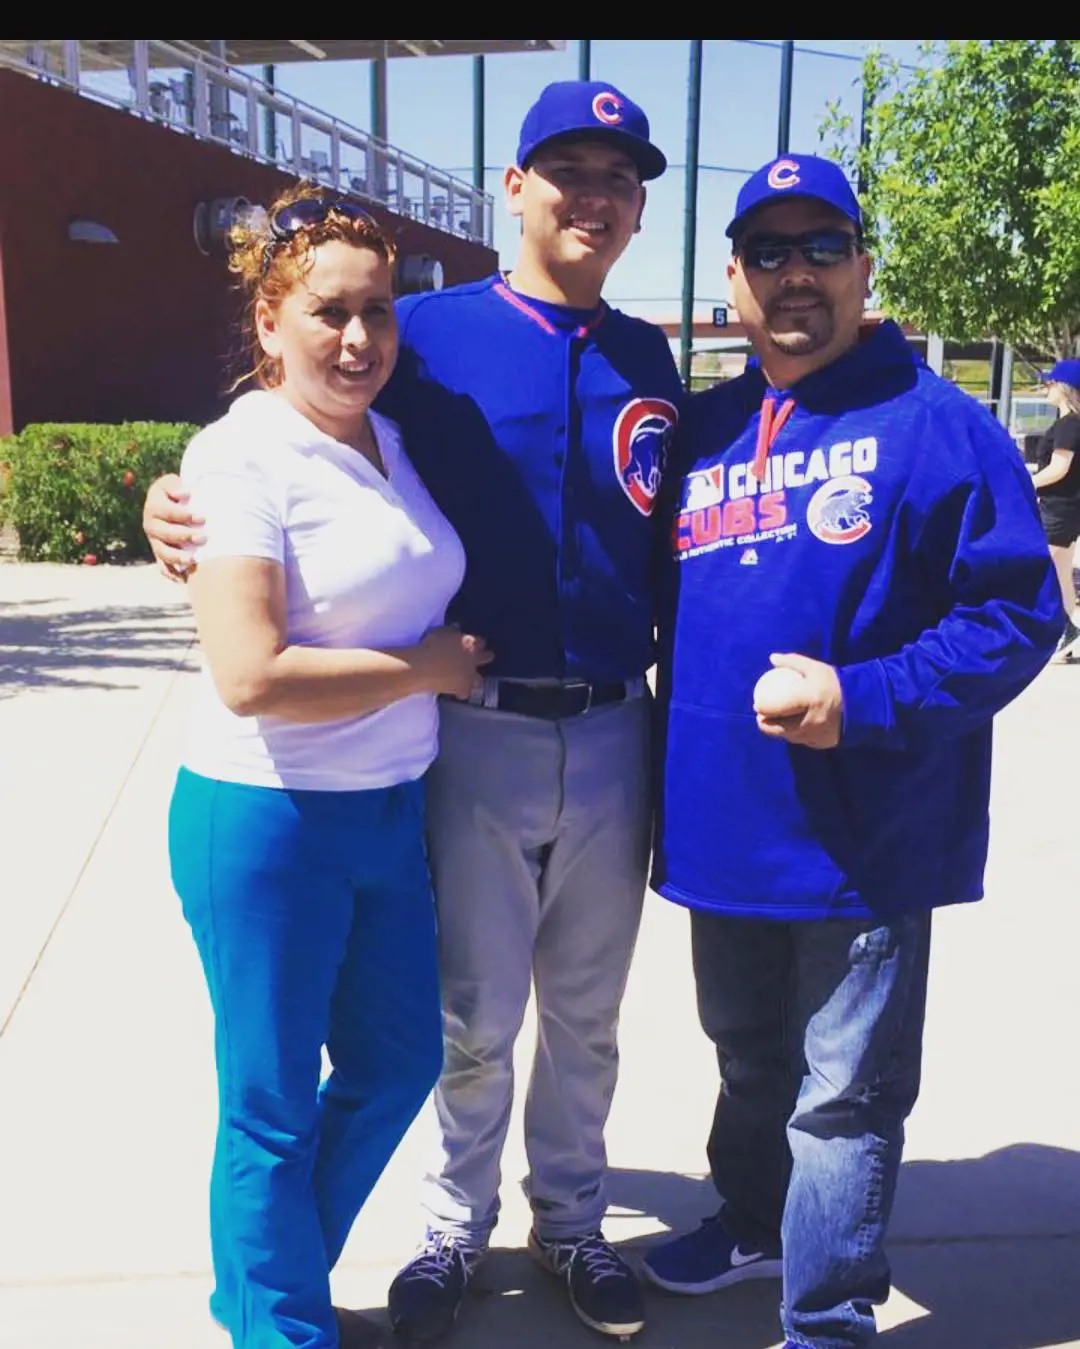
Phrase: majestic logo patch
x=643 y=430
x=837 y=511
x=784 y=173
x=607 y=108
x=749 y=558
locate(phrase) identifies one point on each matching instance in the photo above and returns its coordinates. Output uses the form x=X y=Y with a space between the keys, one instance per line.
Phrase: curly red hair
x=268 y=268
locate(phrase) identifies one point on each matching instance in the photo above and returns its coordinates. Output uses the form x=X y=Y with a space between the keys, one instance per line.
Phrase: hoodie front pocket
x=749 y=820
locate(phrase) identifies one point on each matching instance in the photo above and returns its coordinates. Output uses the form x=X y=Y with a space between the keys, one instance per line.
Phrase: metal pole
x=270 y=117
x=478 y=123
x=1004 y=408
x=693 y=136
x=219 y=94
x=994 y=391
x=379 y=182
x=584 y=59
x=787 y=66
x=378 y=99
x=864 y=139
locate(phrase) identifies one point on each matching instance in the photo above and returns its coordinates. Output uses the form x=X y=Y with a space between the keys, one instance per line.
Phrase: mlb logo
x=702 y=489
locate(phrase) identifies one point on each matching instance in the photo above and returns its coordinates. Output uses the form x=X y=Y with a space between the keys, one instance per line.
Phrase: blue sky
x=430 y=116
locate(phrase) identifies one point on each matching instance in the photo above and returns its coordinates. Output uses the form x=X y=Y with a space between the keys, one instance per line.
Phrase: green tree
x=970 y=169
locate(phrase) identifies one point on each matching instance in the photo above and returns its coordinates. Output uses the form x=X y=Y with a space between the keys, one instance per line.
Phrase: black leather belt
x=553 y=702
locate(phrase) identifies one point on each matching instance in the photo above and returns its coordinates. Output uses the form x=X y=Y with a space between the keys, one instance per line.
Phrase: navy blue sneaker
x=427 y=1294
x=707 y=1260
x=604 y=1291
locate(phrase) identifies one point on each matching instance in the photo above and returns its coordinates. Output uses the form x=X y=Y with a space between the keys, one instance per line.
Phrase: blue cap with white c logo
x=588 y=109
x=796 y=176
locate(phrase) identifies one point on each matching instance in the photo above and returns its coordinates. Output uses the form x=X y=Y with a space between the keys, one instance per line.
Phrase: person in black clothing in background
x=1056 y=478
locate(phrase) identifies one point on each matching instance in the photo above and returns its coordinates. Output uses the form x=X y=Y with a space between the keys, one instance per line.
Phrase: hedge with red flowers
x=74 y=493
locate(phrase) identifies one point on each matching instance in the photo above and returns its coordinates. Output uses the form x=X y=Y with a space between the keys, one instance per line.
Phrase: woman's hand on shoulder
x=450 y=660
x=171 y=527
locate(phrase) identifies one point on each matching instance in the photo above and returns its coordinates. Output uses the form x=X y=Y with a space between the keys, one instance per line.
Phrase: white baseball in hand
x=780 y=693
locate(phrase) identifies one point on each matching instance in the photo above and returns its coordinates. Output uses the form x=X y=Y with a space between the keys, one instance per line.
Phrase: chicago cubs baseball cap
x=1064 y=372
x=589 y=108
x=796 y=176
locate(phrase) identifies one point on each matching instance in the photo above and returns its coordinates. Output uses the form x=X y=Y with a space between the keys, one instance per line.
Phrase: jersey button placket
x=568 y=550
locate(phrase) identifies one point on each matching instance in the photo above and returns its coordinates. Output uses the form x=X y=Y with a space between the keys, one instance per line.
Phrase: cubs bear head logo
x=643 y=430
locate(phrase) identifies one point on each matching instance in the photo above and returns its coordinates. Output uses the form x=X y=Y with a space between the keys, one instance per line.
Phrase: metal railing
x=1030 y=414
x=193 y=94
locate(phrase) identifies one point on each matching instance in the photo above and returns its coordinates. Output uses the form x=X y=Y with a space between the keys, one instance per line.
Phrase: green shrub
x=75 y=492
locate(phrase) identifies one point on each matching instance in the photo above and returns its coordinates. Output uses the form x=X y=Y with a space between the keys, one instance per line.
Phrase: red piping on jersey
x=512 y=297
x=594 y=322
x=772 y=423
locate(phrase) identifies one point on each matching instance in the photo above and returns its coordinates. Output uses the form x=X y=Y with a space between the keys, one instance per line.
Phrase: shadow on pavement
x=515 y=1303
x=989 y=1246
x=520 y=1304
x=64 y=649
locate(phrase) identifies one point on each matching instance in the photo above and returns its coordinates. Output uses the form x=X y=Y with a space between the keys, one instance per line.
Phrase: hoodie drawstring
x=772 y=423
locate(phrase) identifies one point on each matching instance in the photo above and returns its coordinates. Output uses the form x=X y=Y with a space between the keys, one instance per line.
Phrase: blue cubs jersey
x=541 y=431
x=892 y=533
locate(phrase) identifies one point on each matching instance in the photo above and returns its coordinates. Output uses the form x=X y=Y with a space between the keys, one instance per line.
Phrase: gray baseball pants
x=539 y=842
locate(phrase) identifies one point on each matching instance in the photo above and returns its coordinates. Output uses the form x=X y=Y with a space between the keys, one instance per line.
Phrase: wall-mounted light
x=214 y=219
x=419 y=272
x=90 y=232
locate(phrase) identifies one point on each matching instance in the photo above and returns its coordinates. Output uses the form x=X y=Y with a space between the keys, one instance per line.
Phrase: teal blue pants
x=314 y=920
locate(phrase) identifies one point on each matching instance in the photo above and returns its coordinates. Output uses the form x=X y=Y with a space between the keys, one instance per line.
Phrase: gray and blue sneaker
x=709 y=1259
x=604 y=1291
x=427 y=1293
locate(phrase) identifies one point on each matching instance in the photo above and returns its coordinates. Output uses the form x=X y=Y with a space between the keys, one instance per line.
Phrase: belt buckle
x=581 y=684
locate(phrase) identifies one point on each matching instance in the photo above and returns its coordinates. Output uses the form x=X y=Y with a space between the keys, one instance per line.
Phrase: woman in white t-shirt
x=296 y=832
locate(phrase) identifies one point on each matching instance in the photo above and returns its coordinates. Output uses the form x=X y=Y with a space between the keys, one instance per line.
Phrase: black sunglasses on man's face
x=817 y=248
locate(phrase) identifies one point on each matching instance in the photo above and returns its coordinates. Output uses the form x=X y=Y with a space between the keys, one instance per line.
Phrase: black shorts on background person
x=1059 y=503
x=1056 y=478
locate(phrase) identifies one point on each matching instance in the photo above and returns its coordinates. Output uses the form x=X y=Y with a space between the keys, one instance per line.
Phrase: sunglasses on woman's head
x=289 y=220
x=817 y=248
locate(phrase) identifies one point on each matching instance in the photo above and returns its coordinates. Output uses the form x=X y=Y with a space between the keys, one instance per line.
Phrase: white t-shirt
x=369 y=562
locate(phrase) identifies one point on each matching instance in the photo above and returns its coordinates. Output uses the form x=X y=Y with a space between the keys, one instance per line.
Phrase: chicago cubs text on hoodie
x=541 y=432
x=894 y=535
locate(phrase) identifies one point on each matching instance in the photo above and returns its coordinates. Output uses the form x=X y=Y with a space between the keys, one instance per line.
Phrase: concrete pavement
x=106 y=1082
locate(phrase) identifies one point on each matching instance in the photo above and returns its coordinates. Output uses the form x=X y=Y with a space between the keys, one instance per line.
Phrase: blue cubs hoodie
x=891 y=530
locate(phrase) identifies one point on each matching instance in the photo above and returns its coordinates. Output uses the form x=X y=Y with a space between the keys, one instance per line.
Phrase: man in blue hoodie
x=844 y=516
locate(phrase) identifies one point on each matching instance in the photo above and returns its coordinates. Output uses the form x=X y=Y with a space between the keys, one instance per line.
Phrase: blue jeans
x=314 y=919
x=818 y=1033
